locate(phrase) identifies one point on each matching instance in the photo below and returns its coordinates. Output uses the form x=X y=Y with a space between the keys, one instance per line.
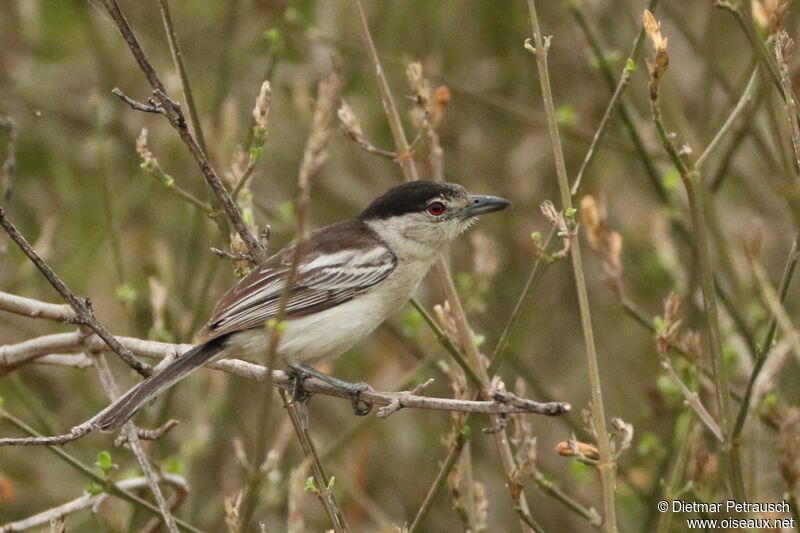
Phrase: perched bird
x=350 y=276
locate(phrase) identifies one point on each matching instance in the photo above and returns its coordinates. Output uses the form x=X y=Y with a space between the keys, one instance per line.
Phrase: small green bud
x=630 y=65
x=310 y=486
x=169 y=181
x=125 y=293
x=570 y=213
x=255 y=154
x=93 y=489
x=104 y=462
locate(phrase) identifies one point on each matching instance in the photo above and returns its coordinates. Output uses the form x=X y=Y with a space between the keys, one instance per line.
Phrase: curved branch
x=87 y=500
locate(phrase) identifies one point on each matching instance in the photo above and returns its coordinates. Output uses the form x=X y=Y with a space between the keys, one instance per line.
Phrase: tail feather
x=118 y=413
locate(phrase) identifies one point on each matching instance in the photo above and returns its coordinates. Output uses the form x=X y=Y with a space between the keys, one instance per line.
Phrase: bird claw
x=360 y=407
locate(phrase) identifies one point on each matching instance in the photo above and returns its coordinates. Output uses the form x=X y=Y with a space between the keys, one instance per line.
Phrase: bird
x=348 y=278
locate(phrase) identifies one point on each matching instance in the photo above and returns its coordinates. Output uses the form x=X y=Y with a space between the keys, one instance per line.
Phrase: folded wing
x=322 y=280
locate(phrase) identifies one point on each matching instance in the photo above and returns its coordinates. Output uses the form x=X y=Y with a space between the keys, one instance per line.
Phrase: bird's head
x=427 y=214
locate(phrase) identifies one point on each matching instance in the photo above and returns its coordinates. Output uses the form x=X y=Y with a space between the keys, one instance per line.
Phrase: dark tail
x=115 y=415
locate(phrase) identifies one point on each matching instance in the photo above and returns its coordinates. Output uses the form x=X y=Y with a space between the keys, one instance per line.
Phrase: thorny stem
x=695 y=192
x=763 y=350
x=606 y=465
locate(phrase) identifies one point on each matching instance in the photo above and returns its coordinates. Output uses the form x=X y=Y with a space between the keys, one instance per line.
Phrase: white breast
x=330 y=333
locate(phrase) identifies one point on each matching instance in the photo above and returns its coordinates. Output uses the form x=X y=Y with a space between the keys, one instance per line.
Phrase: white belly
x=330 y=333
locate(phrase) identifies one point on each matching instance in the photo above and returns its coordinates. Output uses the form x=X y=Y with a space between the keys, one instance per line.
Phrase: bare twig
x=180 y=66
x=314 y=156
x=110 y=388
x=172 y=110
x=109 y=486
x=84 y=315
x=159 y=350
x=87 y=501
x=323 y=484
x=406 y=160
x=761 y=356
x=606 y=465
x=695 y=190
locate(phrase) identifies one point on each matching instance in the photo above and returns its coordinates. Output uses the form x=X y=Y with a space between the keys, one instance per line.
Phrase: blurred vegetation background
x=113 y=233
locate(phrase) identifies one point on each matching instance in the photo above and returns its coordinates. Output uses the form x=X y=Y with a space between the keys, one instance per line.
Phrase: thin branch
x=87 y=501
x=406 y=160
x=606 y=465
x=109 y=486
x=404 y=156
x=323 y=482
x=695 y=191
x=692 y=399
x=84 y=315
x=761 y=355
x=159 y=350
x=172 y=110
x=180 y=66
x=110 y=388
x=741 y=106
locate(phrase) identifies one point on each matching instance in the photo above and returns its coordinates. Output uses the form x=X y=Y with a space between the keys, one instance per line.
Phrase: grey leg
x=302 y=371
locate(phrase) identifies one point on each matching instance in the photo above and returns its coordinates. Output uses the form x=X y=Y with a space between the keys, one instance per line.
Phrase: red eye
x=436 y=208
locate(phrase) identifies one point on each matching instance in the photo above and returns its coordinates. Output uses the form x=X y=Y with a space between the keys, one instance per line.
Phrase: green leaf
x=93 y=489
x=331 y=482
x=247 y=215
x=273 y=36
x=310 y=486
x=174 y=465
x=570 y=213
x=125 y=293
x=667 y=388
x=659 y=324
x=730 y=355
x=630 y=65
x=412 y=321
x=169 y=181
x=255 y=154
x=565 y=115
x=649 y=444
x=578 y=470
x=104 y=462
x=671 y=179
x=286 y=209
x=769 y=402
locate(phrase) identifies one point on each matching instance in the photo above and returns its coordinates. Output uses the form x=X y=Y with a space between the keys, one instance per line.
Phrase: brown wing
x=334 y=272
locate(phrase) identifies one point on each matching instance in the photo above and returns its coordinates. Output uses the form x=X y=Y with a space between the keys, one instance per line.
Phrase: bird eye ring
x=436 y=208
